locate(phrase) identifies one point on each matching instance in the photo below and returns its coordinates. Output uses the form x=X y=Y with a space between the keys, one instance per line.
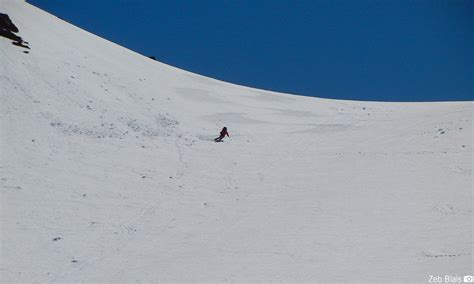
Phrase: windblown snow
x=109 y=172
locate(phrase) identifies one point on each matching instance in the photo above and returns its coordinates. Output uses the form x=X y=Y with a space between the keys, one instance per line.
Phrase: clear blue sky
x=399 y=50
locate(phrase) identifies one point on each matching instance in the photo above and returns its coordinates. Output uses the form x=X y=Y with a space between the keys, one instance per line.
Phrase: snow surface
x=109 y=173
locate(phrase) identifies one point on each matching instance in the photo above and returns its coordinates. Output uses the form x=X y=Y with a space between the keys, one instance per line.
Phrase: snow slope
x=109 y=173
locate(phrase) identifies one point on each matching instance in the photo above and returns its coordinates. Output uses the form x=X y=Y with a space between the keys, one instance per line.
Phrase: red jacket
x=224 y=133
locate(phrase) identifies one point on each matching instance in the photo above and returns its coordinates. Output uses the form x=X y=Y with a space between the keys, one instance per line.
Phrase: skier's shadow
x=209 y=138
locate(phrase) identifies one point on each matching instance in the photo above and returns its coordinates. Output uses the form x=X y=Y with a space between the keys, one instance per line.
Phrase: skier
x=222 y=135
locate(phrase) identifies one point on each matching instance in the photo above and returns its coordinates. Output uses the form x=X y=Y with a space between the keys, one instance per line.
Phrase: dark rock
x=9 y=30
x=7 y=24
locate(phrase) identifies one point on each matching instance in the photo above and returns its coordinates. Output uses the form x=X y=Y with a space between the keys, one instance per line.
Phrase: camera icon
x=469 y=279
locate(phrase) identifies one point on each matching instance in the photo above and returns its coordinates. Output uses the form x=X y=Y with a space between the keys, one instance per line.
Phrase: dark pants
x=219 y=139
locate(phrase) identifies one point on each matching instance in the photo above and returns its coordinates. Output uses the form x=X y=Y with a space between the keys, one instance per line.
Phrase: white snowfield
x=109 y=172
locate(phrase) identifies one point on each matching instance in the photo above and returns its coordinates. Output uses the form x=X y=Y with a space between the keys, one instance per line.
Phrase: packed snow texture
x=109 y=172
